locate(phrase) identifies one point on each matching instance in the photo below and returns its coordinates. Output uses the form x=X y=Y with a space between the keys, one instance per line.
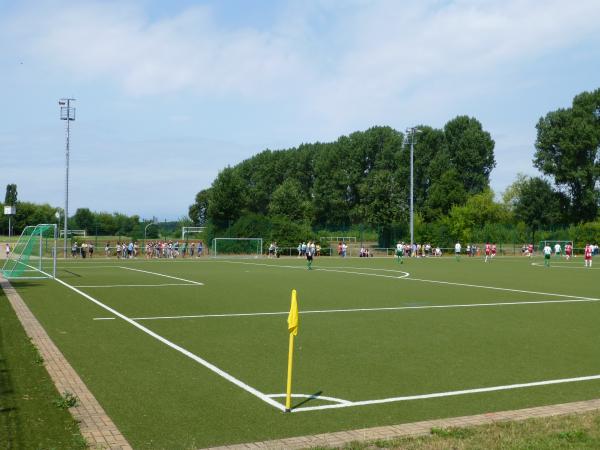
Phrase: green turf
x=29 y=417
x=160 y=398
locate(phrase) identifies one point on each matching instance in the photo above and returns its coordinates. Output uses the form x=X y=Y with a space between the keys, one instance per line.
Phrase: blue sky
x=169 y=93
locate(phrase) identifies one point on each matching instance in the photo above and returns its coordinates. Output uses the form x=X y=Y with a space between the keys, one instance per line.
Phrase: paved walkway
x=101 y=433
x=95 y=425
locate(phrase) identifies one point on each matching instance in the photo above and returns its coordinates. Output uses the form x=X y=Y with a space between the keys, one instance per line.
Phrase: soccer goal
x=34 y=254
x=190 y=230
x=71 y=233
x=553 y=245
x=244 y=247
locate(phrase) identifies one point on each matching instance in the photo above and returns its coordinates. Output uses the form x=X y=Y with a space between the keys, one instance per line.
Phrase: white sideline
x=387 y=308
x=133 y=285
x=182 y=350
x=161 y=275
x=448 y=394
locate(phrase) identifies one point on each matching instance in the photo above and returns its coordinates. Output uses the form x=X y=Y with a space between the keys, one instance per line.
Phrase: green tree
x=288 y=200
x=84 y=219
x=471 y=152
x=538 y=205
x=10 y=199
x=568 y=150
x=198 y=210
x=228 y=197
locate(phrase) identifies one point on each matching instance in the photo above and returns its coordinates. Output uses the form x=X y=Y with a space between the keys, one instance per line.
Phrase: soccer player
x=547 y=254
x=400 y=253
x=488 y=251
x=309 y=255
x=568 y=251
x=587 y=255
x=7 y=250
x=530 y=250
x=493 y=250
x=557 y=250
x=457 y=248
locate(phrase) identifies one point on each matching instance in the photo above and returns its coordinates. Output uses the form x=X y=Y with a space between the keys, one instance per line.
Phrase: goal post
x=190 y=230
x=237 y=247
x=34 y=254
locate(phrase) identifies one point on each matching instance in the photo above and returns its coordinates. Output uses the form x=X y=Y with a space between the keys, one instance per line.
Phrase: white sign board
x=10 y=210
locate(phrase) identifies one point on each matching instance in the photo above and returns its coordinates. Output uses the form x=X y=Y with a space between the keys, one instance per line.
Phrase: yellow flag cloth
x=293 y=316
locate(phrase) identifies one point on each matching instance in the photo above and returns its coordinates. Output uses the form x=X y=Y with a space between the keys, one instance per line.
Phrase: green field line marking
x=385 y=308
x=162 y=275
x=180 y=349
x=449 y=393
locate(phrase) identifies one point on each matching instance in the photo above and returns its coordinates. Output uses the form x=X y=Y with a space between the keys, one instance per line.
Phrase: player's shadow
x=314 y=396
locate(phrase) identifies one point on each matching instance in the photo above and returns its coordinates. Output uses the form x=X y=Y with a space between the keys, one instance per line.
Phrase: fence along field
x=186 y=353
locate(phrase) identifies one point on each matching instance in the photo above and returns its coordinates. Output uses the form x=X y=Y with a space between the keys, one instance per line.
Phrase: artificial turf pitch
x=370 y=330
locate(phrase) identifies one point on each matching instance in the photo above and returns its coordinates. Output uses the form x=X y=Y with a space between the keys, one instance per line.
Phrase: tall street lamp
x=67 y=112
x=410 y=134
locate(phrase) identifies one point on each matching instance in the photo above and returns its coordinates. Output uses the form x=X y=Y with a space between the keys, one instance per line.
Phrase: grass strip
x=30 y=411
x=573 y=431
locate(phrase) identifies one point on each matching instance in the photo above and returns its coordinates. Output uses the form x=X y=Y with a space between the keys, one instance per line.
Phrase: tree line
x=363 y=179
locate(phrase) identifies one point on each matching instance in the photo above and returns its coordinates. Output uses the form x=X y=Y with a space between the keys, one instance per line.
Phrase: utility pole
x=67 y=112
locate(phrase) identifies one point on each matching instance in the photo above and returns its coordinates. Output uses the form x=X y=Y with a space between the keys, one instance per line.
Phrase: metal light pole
x=67 y=112
x=411 y=132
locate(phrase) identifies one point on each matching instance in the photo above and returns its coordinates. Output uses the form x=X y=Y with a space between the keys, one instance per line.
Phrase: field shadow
x=308 y=399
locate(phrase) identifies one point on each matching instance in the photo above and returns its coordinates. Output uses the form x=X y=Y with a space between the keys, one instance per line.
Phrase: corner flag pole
x=293 y=330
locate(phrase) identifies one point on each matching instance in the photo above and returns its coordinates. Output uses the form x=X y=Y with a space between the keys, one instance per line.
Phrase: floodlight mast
x=67 y=112
x=411 y=132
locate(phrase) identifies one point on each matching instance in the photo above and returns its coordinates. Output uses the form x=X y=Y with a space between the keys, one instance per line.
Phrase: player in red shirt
x=530 y=250
x=568 y=251
x=488 y=251
x=493 y=250
x=588 y=255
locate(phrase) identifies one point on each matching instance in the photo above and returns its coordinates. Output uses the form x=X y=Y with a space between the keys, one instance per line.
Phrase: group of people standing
x=173 y=249
x=82 y=250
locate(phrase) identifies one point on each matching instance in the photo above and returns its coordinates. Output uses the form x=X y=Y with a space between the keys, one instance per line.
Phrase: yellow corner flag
x=293 y=330
x=293 y=315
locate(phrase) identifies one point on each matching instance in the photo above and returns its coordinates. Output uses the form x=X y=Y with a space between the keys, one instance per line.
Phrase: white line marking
x=449 y=394
x=135 y=285
x=408 y=278
x=390 y=308
x=555 y=265
x=316 y=397
x=330 y=269
x=182 y=350
x=161 y=275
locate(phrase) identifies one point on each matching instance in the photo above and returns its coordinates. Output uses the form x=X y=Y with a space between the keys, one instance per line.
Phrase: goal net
x=558 y=247
x=34 y=254
x=244 y=247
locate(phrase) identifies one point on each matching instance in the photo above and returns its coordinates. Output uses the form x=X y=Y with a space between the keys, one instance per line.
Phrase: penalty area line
x=162 y=275
x=387 y=308
x=180 y=349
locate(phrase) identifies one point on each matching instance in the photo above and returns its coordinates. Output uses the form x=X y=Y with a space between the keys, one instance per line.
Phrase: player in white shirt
x=457 y=249
x=557 y=250
x=400 y=252
x=547 y=254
